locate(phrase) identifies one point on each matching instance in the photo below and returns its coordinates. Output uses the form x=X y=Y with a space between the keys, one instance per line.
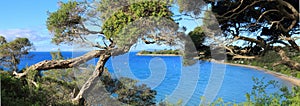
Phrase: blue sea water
x=173 y=81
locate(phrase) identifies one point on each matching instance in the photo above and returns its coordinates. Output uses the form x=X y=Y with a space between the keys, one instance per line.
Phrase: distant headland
x=159 y=53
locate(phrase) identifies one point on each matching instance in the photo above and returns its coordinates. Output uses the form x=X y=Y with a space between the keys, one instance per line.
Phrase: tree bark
x=237 y=56
x=259 y=42
x=243 y=57
x=294 y=44
x=287 y=61
x=91 y=82
x=60 y=64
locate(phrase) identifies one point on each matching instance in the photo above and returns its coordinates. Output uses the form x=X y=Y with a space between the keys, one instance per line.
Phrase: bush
x=21 y=92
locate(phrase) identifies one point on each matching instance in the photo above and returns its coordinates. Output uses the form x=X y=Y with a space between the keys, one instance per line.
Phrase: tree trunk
x=237 y=56
x=60 y=64
x=287 y=61
x=259 y=42
x=243 y=57
x=294 y=44
x=91 y=82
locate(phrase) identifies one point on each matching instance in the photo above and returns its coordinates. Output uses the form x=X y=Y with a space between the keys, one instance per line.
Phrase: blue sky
x=27 y=18
x=16 y=14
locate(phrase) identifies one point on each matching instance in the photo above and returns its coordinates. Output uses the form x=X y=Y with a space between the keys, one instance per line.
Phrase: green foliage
x=126 y=89
x=268 y=60
x=64 y=81
x=107 y=7
x=2 y=40
x=11 y=52
x=269 y=57
x=74 y=20
x=130 y=93
x=113 y=26
x=236 y=18
x=175 y=52
x=56 y=55
x=259 y=96
x=64 y=21
x=198 y=37
x=190 y=6
x=167 y=103
x=15 y=92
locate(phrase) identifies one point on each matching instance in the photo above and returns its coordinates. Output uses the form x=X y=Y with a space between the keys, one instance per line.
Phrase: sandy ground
x=293 y=80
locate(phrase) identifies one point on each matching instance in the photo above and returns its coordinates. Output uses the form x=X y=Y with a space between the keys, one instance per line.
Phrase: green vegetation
x=269 y=61
x=162 y=52
x=11 y=52
x=259 y=97
x=74 y=22
x=57 y=86
x=52 y=91
x=198 y=37
x=234 y=19
x=15 y=92
x=120 y=19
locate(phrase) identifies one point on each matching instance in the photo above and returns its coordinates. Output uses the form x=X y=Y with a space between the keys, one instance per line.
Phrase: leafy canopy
x=64 y=21
x=270 y=22
x=11 y=52
x=198 y=37
x=127 y=14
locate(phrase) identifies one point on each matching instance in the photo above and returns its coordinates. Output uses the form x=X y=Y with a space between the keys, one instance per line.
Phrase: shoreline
x=291 y=79
x=139 y=54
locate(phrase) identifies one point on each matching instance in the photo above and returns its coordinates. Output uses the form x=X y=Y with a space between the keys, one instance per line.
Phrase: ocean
x=174 y=81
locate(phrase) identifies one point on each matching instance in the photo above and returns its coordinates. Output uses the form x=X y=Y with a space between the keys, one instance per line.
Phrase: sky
x=27 y=18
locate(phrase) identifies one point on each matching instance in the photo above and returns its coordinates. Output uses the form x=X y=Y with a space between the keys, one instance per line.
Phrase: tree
x=2 y=40
x=198 y=36
x=57 y=55
x=71 y=23
x=11 y=52
x=152 y=22
x=261 y=24
x=129 y=92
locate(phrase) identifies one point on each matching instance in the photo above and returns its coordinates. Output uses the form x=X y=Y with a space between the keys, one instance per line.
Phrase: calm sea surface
x=173 y=81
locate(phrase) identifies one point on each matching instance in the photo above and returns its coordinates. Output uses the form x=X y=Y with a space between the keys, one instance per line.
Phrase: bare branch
x=242 y=10
x=234 y=10
x=147 y=41
x=266 y=12
x=287 y=61
x=259 y=42
x=237 y=56
x=61 y=64
x=294 y=16
x=34 y=83
x=89 y=31
x=91 y=82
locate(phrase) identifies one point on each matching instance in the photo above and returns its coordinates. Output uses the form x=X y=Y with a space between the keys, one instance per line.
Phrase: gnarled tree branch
x=287 y=61
x=60 y=64
x=91 y=82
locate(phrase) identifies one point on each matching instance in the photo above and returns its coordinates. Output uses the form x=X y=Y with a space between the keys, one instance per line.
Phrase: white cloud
x=41 y=40
x=31 y=34
x=39 y=36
